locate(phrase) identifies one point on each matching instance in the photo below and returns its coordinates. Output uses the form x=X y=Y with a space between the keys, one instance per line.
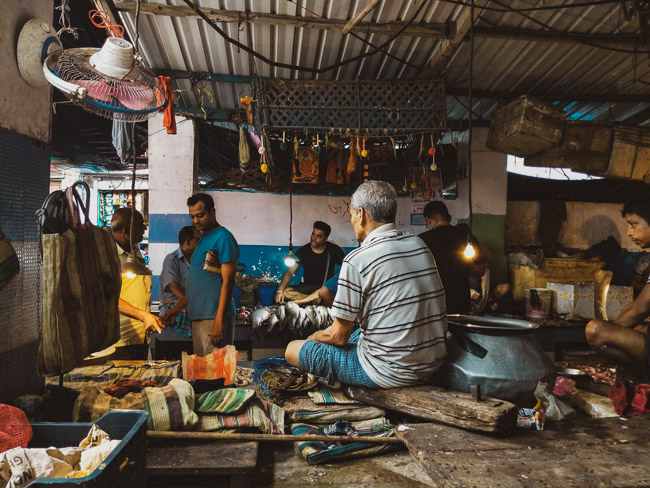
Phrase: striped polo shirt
x=391 y=285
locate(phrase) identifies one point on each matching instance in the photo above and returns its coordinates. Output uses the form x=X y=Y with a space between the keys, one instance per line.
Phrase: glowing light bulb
x=130 y=274
x=289 y=260
x=469 y=251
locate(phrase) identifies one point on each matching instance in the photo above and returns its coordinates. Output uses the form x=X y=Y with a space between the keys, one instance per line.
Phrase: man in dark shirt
x=317 y=259
x=447 y=244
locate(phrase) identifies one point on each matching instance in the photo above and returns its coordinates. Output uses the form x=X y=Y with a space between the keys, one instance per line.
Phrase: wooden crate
x=525 y=126
x=630 y=155
x=585 y=148
x=558 y=270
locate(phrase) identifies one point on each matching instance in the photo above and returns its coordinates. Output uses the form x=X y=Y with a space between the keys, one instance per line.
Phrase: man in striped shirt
x=391 y=287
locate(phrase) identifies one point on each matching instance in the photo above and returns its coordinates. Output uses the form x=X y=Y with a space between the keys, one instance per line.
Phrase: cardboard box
x=573 y=301
x=617 y=298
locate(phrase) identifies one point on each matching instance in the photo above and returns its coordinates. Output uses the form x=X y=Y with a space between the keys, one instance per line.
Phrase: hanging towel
x=169 y=118
x=121 y=140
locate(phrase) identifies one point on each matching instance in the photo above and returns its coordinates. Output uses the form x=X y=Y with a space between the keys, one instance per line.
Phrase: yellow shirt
x=136 y=291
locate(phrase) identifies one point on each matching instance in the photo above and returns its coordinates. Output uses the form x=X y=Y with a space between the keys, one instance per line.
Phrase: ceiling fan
x=109 y=81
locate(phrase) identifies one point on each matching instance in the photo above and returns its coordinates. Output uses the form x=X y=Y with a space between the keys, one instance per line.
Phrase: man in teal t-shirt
x=211 y=279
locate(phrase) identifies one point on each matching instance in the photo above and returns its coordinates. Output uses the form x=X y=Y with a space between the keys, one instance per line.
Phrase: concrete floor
x=281 y=465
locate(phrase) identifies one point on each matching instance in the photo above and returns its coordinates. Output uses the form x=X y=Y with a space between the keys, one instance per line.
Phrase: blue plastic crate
x=124 y=467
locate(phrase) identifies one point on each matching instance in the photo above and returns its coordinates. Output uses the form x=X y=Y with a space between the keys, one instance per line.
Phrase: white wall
x=24 y=109
x=263 y=218
x=587 y=224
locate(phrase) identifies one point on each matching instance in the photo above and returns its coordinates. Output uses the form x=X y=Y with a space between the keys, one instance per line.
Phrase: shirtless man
x=626 y=338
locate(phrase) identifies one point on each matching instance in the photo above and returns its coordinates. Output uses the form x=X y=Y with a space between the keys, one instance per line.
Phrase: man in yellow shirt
x=135 y=295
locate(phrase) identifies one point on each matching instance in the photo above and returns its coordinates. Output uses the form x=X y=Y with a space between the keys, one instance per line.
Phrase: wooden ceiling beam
x=448 y=46
x=357 y=18
x=621 y=41
x=455 y=32
x=450 y=90
x=551 y=97
x=421 y=29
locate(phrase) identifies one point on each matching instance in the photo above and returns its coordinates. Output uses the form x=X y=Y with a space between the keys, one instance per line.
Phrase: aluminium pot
x=499 y=354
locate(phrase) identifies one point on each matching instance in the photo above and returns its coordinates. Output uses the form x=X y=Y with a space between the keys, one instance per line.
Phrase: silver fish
x=324 y=314
x=314 y=318
x=293 y=312
x=259 y=316
x=273 y=320
x=281 y=313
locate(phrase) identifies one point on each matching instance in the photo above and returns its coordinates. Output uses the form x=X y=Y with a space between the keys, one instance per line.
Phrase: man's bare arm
x=336 y=334
x=634 y=313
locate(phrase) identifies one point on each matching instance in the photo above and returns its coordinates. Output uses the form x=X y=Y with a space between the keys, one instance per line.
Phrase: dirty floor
x=280 y=465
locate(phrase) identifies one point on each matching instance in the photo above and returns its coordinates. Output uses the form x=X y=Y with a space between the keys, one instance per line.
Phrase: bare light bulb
x=130 y=274
x=290 y=260
x=469 y=251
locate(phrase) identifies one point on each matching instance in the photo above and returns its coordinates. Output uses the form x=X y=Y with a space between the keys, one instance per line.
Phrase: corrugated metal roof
x=597 y=70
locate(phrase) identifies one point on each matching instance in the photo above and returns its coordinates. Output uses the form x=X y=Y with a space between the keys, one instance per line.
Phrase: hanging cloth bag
x=81 y=288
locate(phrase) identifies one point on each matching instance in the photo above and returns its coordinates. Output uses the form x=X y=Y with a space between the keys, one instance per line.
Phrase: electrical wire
x=547 y=26
x=383 y=51
x=531 y=9
x=102 y=20
x=277 y=64
x=469 y=113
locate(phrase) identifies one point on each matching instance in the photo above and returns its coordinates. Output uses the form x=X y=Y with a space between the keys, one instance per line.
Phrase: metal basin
x=499 y=354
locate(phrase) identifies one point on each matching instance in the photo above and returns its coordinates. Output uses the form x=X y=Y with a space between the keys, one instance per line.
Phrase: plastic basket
x=124 y=467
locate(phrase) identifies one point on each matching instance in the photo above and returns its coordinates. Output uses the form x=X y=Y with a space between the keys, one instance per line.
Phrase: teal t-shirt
x=204 y=278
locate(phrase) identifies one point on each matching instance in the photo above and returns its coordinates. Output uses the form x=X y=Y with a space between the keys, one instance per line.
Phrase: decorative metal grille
x=353 y=107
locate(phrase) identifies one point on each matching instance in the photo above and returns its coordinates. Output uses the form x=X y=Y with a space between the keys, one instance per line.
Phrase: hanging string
x=64 y=20
x=469 y=124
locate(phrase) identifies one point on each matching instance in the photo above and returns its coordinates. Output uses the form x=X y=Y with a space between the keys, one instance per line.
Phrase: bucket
x=538 y=302
x=266 y=293
x=236 y=295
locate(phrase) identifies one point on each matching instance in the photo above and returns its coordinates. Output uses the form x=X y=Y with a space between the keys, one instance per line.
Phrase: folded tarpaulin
x=320 y=452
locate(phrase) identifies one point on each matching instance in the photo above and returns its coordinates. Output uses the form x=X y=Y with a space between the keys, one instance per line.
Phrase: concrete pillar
x=173 y=176
x=489 y=196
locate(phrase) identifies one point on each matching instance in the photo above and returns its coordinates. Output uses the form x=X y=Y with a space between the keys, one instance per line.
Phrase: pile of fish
x=292 y=318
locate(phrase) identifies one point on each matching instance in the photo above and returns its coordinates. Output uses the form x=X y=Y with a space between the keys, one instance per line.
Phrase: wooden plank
x=447 y=47
x=440 y=405
x=586 y=452
x=237 y=436
x=357 y=18
x=415 y=29
x=197 y=457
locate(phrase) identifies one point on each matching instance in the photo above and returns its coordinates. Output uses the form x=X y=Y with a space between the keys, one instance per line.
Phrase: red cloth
x=126 y=385
x=630 y=402
x=169 y=119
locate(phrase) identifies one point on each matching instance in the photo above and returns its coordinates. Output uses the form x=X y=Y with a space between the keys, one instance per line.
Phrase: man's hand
x=279 y=296
x=152 y=323
x=169 y=316
x=216 y=334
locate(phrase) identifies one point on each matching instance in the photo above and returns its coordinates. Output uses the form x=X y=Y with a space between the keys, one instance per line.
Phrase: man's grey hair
x=378 y=199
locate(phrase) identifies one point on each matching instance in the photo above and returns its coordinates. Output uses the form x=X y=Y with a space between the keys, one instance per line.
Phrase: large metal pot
x=499 y=354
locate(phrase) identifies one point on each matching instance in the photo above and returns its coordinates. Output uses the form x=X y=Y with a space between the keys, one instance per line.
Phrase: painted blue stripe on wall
x=261 y=262
x=165 y=227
